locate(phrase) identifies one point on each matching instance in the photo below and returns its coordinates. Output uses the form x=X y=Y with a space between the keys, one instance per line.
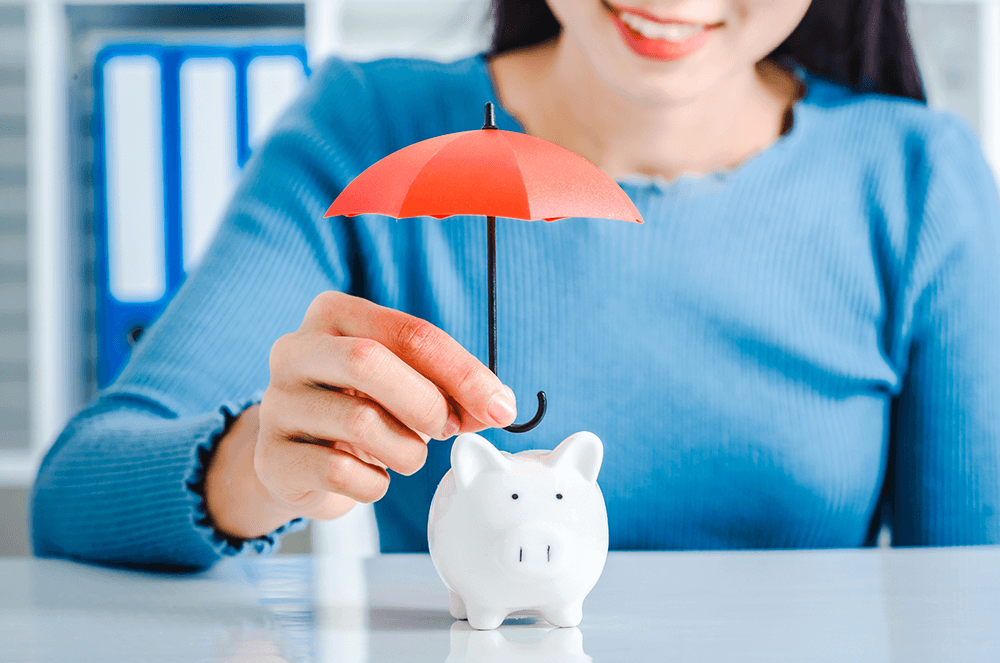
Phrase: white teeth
x=665 y=31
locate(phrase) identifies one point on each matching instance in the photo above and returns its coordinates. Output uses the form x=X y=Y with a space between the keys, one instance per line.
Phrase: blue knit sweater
x=787 y=354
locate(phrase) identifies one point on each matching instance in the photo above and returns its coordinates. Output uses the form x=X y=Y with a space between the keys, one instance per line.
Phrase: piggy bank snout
x=532 y=551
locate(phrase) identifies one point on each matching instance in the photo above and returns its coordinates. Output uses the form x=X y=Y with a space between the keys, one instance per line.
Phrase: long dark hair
x=863 y=44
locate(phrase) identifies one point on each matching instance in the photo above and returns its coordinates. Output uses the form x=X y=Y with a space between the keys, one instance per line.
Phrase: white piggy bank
x=521 y=531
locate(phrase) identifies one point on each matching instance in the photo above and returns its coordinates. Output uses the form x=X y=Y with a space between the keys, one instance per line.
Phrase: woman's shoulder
x=886 y=126
x=353 y=113
x=916 y=164
x=397 y=76
x=412 y=97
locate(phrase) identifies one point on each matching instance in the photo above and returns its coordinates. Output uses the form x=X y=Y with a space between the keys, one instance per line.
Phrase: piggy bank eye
x=558 y=496
x=514 y=496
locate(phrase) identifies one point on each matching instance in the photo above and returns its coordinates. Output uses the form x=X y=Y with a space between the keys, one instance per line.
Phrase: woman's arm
x=123 y=483
x=943 y=485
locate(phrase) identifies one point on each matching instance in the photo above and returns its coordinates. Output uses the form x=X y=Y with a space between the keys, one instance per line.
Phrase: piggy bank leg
x=485 y=619
x=457 y=606
x=563 y=614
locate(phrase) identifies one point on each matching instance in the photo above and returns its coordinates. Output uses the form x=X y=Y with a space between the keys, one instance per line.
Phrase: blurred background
x=123 y=128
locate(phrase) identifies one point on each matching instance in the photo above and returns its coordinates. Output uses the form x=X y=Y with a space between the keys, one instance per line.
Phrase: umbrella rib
x=520 y=176
x=427 y=165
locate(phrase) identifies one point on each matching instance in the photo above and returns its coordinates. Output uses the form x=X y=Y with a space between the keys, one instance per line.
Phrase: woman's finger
x=366 y=365
x=322 y=416
x=298 y=473
x=428 y=349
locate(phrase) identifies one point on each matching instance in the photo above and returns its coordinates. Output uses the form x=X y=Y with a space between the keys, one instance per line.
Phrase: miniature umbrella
x=487 y=172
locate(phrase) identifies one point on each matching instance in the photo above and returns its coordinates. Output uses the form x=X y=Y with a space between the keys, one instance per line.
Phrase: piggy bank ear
x=471 y=455
x=581 y=452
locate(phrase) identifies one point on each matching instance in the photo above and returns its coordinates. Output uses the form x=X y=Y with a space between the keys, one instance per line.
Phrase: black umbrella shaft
x=491 y=253
x=491 y=241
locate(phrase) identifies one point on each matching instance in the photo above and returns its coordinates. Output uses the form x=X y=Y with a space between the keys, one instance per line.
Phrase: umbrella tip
x=490 y=122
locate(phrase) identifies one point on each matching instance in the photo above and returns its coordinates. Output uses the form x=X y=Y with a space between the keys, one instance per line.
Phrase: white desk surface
x=906 y=605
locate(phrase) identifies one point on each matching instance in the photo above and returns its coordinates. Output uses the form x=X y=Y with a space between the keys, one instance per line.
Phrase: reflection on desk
x=539 y=643
x=842 y=605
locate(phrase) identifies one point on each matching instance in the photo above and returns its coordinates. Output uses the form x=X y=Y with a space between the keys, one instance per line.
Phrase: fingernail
x=502 y=407
x=452 y=426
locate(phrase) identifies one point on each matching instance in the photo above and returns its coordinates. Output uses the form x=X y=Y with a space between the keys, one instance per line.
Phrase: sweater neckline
x=687 y=185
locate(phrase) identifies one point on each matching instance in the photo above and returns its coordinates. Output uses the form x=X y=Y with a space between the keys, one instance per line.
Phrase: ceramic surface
x=526 y=531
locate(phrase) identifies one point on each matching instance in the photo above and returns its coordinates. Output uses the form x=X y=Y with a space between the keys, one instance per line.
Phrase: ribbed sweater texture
x=787 y=354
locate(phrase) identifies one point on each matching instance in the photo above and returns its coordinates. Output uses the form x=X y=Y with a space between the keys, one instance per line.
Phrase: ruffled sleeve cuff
x=201 y=451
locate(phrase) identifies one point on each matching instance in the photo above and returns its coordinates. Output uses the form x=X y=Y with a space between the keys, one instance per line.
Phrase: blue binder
x=172 y=126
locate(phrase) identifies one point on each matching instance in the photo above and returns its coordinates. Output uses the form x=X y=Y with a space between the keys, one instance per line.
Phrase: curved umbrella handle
x=535 y=420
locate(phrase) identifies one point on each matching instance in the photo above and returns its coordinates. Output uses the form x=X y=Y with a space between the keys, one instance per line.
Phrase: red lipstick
x=652 y=48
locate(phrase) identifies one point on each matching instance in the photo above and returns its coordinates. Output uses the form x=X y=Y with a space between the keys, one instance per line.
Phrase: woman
x=797 y=347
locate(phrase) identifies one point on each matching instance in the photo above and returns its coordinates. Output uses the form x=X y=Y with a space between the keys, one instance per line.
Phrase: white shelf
x=17 y=469
x=49 y=327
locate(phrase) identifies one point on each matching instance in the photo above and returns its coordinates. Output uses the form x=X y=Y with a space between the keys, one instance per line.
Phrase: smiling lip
x=657 y=49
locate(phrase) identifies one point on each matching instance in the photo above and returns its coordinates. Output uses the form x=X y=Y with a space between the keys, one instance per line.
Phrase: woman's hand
x=358 y=388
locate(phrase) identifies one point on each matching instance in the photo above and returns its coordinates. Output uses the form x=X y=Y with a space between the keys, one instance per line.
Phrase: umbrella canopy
x=487 y=172
x=491 y=173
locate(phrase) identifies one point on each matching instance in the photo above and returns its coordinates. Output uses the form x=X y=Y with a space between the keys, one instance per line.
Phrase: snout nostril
x=520 y=554
x=548 y=553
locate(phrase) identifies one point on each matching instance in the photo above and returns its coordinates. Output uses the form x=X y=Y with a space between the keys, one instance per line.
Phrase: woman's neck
x=555 y=94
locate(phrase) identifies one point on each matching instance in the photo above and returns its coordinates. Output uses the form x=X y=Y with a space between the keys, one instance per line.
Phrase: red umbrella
x=490 y=172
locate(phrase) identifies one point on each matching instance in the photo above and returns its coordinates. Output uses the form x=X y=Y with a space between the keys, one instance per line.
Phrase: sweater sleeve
x=943 y=481
x=122 y=483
